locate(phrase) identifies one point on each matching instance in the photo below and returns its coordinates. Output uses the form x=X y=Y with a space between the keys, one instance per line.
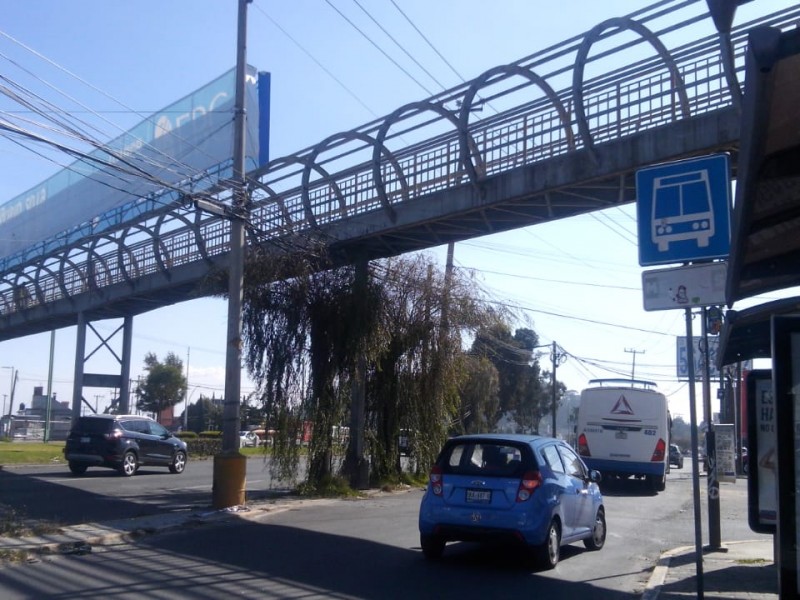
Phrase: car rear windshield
x=490 y=458
x=90 y=425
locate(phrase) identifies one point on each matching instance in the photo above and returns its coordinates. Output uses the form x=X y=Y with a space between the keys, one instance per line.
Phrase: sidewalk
x=740 y=570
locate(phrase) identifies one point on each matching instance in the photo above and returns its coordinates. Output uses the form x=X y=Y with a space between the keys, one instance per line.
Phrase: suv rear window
x=90 y=425
x=490 y=458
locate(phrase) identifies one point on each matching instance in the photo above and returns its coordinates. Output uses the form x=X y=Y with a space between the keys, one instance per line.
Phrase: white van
x=623 y=430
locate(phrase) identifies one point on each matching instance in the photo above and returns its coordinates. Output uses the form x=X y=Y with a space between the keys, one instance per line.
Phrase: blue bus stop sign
x=683 y=210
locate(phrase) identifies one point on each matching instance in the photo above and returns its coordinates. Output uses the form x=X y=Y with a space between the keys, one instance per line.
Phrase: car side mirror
x=595 y=476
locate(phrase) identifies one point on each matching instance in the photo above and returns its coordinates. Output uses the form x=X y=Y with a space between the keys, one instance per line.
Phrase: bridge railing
x=296 y=194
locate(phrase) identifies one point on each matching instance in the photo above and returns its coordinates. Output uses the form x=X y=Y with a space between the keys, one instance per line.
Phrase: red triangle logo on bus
x=622 y=407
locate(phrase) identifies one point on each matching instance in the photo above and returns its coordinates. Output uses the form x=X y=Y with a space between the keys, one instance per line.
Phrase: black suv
x=675 y=456
x=122 y=442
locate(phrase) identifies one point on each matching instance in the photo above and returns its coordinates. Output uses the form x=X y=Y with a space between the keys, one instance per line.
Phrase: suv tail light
x=658 y=453
x=583 y=445
x=530 y=481
x=114 y=434
x=435 y=478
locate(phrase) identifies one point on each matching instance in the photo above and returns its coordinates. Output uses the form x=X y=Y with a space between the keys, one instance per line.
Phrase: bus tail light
x=660 y=452
x=583 y=445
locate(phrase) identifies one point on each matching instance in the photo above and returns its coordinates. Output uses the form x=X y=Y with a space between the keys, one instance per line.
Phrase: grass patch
x=13 y=556
x=31 y=453
x=404 y=480
x=14 y=524
x=330 y=487
x=753 y=561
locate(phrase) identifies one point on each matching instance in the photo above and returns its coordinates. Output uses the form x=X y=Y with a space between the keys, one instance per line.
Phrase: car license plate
x=85 y=440
x=621 y=435
x=479 y=496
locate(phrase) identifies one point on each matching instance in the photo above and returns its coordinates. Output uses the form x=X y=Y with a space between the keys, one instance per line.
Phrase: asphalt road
x=370 y=549
x=52 y=493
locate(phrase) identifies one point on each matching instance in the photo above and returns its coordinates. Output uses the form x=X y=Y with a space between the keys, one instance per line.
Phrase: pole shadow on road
x=41 y=497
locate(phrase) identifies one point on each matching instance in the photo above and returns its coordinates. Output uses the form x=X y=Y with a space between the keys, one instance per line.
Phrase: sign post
x=683 y=214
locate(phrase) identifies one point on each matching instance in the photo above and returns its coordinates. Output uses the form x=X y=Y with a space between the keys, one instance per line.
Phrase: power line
x=381 y=50
x=327 y=71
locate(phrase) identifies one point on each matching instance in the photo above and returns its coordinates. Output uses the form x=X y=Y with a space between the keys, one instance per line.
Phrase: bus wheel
x=657 y=483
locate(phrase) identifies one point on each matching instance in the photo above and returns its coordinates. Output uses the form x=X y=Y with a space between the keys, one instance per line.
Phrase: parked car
x=248 y=439
x=527 y=490
x=675 y=456
x=123 y=442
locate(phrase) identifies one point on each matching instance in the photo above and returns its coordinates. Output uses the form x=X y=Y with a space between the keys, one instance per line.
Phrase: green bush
x=211 y=434
x=203 y=446
x=186 y=435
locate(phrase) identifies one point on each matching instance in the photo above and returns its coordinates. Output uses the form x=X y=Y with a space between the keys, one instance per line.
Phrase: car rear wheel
x=598 y=538
x=432 y=546
x=129 y=464
x=178 y=462
x=547 y=554
x=77 y=468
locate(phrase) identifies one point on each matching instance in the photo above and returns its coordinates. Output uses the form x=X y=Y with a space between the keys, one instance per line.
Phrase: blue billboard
x=188 y=145
x=683 y=210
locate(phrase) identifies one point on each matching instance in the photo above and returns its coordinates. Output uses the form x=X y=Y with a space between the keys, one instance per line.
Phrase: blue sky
x=577 y=281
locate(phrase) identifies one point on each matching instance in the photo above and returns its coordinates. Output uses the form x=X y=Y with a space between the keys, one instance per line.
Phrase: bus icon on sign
x=682 y=209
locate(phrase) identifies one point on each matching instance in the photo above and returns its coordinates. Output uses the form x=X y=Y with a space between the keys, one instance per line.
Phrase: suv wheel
x=178 y=462
x=77 y=468
x=129 y=464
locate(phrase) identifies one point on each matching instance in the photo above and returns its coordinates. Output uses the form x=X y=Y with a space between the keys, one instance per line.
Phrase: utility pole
x=186 y=394
x=228 y=488
x=557 y=360
x=633 y=368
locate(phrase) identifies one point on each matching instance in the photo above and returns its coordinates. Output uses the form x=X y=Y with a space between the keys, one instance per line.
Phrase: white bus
x=623 y=430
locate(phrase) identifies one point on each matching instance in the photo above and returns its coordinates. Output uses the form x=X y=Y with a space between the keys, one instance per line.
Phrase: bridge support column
x=119 y=381
x=77 y=381
x=125 y=374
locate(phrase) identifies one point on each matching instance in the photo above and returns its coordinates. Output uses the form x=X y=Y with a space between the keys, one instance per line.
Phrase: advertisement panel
x=762 y=483
x=725 y=452
x=189 y=143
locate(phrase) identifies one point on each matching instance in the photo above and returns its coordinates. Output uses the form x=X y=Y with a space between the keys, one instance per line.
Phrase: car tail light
x=583 y=445
x=658 y=453
x=435 y=478
x=113 y=435
x=530 y=481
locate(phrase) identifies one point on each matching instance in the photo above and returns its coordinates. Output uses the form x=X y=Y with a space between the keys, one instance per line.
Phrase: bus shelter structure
x=765 y=257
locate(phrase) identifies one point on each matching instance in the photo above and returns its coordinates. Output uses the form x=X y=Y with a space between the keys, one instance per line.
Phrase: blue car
x=528 y=490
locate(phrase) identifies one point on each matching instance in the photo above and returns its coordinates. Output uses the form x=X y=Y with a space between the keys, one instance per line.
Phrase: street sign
x=684 y=287
x=700 y=355
x=683 y=210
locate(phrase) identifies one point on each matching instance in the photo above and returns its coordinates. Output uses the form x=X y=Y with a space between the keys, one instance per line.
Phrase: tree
x=204 y=415
x=522 y=384
x=311 y=330
x=163 y=386
x=480 y=404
